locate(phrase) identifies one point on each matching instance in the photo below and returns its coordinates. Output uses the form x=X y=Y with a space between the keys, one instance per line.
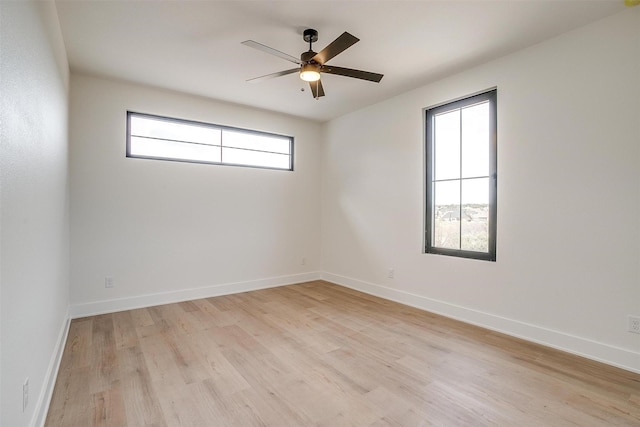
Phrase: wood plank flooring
x=317 y=354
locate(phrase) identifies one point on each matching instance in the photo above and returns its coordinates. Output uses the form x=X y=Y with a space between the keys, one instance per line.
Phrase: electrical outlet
x=25 y=394
x=391 y=273
x=634 y=324
x=303 y=261
x=108 y=282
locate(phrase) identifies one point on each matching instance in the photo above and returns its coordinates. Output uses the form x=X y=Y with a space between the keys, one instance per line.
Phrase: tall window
x=164 y=138
x=462 y=178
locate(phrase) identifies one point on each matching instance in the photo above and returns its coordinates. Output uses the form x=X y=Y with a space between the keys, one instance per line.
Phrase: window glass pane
x=174 y=150
x=165 y=129
x=446 y=227
x=475 y=140
x=447 y=145
x=475 y=215
x=238 y=139
x=255 y=158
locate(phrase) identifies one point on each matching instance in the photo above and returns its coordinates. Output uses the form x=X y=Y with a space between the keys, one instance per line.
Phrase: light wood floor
x=321 y=354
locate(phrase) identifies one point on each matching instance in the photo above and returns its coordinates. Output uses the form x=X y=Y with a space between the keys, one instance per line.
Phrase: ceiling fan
x=311 y=64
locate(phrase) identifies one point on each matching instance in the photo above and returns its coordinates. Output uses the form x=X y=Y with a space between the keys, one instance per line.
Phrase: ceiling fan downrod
x=310 y=36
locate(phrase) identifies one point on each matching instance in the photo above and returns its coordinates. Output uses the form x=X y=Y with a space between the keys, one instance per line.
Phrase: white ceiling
x=194 y=46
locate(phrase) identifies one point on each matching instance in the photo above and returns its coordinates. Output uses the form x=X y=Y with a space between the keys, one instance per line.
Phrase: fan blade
x=316 y=89
x=272 y=75
x=271 y=51
x=336 y=47
x=356 y=74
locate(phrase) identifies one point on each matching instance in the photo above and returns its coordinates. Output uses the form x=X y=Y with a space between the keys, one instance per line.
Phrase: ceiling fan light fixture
x=309 y=73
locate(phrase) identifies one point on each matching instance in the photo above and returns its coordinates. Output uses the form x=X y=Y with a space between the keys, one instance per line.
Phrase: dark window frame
x=212 y=126
x=430 y=113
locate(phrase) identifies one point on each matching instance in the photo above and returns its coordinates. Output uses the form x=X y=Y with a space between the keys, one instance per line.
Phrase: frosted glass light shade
x=309 y=73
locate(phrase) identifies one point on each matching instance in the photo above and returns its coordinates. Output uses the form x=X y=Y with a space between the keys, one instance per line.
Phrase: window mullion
x=460 y=176
x=221 y=144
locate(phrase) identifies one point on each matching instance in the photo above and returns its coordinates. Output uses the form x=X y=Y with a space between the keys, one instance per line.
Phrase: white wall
x=34 y=260
x=170 y=230
x=568 y=238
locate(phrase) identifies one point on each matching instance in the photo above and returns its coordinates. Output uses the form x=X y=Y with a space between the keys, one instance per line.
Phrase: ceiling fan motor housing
x=306 y=57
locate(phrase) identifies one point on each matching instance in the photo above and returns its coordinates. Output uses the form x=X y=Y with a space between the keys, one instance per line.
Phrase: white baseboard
x=141 y=301
x=611 y=355
x=44 y=399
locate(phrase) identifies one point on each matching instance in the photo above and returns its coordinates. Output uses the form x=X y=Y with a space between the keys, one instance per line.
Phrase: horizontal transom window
x=165 y=138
